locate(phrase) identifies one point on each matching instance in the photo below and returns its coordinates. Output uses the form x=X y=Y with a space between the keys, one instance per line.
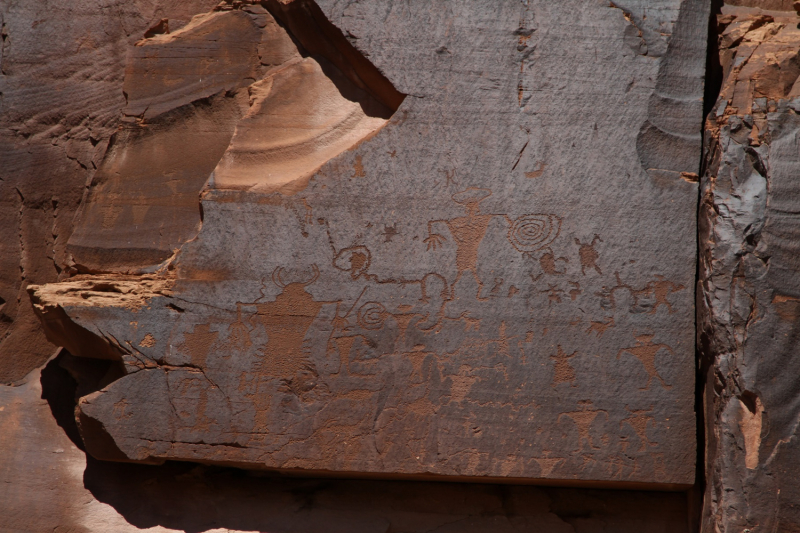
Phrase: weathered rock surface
x=495 y=283
x=49 y=484
x=61 y=76
x=194 y=108
x=750 y=277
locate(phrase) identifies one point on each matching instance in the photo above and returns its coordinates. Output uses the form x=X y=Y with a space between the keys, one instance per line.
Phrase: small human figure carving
x=589 y=255
x=583 y=419
x=645 y=351
x=389 y=232
x=553 y=295
x=638 y=421
x=527 y=233
x=563 y=372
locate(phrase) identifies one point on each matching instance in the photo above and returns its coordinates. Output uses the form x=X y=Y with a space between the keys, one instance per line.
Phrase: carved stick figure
x=645 y=351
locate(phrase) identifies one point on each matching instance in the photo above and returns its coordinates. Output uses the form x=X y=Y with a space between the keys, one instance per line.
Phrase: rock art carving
x=638 y=420
x=563 y=371
x=583 y=419
x=375 y=293
x=645 y=350
x=527 y=233
x=589 y=255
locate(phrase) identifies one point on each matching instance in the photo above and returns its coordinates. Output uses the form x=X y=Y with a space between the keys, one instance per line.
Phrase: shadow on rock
x=196 y=498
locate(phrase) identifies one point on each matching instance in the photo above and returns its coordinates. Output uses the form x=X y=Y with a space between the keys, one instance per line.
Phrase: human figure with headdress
x=527 y=233
x=468 y=232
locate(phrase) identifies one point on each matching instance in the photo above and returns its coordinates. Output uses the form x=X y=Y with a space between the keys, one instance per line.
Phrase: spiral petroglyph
x=372 y=315
x=529 y=233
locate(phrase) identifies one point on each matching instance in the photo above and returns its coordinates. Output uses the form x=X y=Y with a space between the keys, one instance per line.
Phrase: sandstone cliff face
x=396 y=240
x=750 y=277
x=379 y=287
x=62 y=70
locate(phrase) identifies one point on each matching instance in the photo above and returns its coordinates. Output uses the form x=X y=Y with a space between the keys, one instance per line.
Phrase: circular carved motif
x=529 y=233
x=372 y=315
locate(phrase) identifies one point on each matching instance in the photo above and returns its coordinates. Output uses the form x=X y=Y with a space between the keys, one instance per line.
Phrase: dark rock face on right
x=749 y=313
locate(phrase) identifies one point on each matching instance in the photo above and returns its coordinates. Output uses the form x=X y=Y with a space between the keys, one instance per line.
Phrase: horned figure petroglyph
x=527 y=234
x=287 y=320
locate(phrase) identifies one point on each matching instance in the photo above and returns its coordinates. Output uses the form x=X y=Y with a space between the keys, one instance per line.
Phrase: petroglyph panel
x=490 y=281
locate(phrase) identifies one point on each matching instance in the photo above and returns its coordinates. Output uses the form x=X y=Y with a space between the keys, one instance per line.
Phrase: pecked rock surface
x=749 y=313
x=492 y=279
x=47 y=483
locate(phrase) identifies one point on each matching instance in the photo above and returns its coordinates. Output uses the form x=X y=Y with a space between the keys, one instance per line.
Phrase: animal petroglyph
x=589 y=255
x=563 y=371
x=600 y=327
x=661 y=288
x=537 y=171
x=656 y=291
x=527 y=233
x=645 y=351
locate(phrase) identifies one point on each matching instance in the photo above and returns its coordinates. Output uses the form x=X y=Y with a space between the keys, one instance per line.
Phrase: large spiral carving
x=372 y=315
x=529 y=233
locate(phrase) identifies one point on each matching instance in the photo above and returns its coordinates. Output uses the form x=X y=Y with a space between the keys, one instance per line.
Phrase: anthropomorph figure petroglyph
x=588 y=254
x=584 y=418
x=467 y=231
x=527 y=233
x=563 y=371
x=645 y=351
